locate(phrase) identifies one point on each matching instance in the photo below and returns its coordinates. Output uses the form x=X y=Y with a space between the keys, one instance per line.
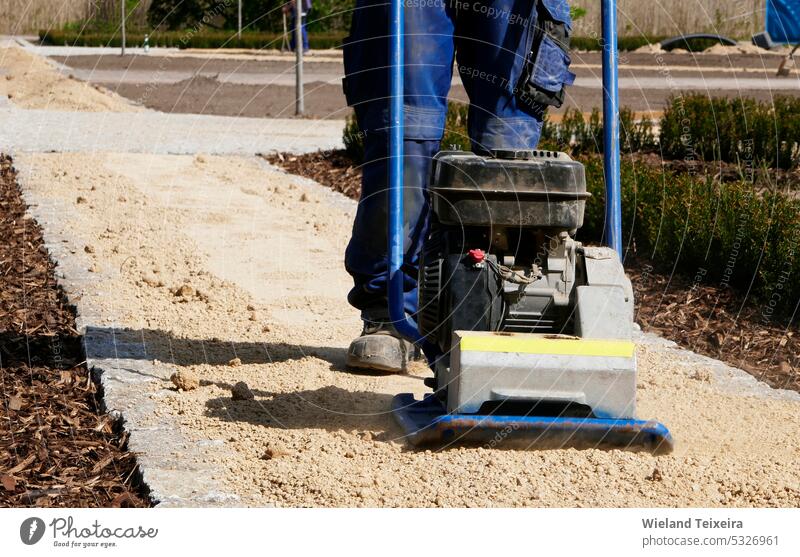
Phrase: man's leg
x=428 y=72
x=513 y=62
x=305 y=35
x=292 y=31
x=303 y=30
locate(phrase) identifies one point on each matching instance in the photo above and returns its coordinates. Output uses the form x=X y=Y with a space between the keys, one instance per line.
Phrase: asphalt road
x=263 y=84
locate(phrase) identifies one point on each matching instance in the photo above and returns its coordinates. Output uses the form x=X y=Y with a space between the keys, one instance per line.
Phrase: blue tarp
x=783 y=21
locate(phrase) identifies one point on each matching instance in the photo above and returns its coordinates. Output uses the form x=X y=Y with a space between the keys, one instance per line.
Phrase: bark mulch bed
x=707 y=319
x=717 y=322
x=57 y=448
x=334 y=169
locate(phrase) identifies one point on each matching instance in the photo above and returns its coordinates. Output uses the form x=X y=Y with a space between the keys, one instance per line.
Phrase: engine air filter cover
x=528 y=188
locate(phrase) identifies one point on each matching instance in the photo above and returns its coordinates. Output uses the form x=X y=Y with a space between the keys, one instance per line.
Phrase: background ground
x=249 y=86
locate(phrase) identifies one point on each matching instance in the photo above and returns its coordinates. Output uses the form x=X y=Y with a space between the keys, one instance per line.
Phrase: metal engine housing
x=501 y=256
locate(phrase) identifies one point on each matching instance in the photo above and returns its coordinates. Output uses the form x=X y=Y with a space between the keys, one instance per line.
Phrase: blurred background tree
x=257 y=15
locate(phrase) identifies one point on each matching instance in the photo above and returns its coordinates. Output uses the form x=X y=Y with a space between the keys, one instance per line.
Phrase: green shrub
x=181 y=14
x=737 y=130
x=214 y=38
x=257 y=15
x=577 y=135
x=330 y=15
x=739 y=237
x=455 y=127
x=576 y=13
x=188 y=39
x=353 y=139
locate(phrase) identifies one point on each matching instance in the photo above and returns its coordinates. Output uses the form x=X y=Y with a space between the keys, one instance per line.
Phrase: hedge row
x=723 y=233
x=578 y=135
x=227 y=39
x=741 y=131
x=737 y=130
x=187 y=39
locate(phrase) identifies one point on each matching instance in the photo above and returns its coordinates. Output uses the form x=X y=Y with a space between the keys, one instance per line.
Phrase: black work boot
x=380 y=347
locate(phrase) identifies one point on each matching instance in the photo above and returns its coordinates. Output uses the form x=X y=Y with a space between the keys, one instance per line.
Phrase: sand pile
x=652 y=48
x=741 y=48
x=31 y=82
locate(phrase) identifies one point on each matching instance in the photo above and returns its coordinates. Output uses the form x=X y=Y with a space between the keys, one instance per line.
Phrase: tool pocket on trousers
x=547 y=68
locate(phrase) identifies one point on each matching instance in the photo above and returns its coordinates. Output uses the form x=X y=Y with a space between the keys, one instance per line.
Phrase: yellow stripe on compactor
x=525 y=344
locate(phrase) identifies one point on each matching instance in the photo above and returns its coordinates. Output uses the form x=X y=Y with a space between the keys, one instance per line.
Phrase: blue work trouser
x=491 y=42
x=293 y=33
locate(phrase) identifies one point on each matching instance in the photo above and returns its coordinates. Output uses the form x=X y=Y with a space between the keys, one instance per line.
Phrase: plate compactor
x=528 y=331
